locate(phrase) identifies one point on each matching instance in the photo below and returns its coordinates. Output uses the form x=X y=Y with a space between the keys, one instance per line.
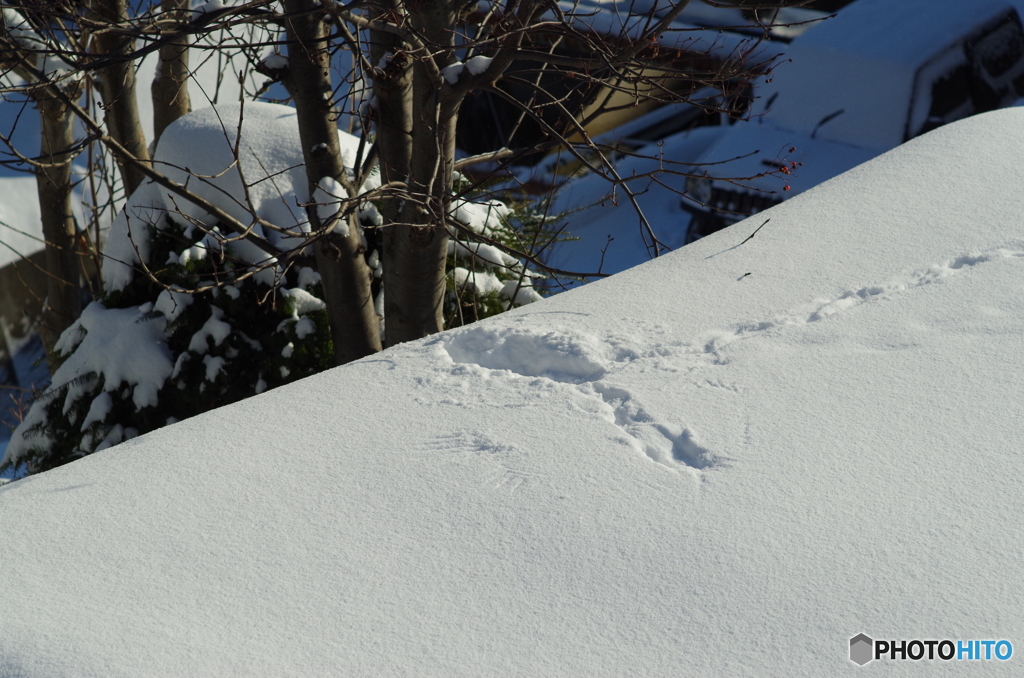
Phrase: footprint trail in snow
x=581 y=362
x=826 y=308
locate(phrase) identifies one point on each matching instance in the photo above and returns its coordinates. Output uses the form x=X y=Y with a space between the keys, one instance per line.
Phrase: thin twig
x=751 y=236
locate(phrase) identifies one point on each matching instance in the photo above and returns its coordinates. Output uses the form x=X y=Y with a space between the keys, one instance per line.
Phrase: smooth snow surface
x=728 y=461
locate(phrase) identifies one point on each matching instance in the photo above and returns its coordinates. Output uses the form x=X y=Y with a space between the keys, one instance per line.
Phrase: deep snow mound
x=729 y=461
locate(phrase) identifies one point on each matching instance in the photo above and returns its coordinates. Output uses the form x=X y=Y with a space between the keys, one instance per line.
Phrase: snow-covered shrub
x=148 y=354
x=145 y=357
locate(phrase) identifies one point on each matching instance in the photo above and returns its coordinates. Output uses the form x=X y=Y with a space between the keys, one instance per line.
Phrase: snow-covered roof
x=728 y=461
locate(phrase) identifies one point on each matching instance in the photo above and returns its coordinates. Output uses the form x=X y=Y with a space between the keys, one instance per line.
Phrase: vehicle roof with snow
x=850 y=88
x=863 y=68
x=902 y=33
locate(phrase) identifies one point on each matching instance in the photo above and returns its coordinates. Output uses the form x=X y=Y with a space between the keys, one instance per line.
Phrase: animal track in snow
x=662 y=443
x=503 y=473
x=826 y=308
x=580 y=361
x=553 y=355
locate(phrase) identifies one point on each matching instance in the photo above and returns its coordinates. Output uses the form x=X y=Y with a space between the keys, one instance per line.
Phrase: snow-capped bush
x=145 y=357
x=194 y=317
x=147 y=354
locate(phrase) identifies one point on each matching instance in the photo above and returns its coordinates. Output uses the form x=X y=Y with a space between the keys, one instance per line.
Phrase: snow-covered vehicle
x=847 y=90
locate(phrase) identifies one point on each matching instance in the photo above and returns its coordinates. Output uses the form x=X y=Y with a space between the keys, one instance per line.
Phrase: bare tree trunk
x=170 y=87
x=414 y=260
x=53 y=181
x=340 y=259
x=117 y=88
x=392 y=88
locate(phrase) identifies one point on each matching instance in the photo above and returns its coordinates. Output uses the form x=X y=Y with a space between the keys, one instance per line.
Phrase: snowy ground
x=728 y=461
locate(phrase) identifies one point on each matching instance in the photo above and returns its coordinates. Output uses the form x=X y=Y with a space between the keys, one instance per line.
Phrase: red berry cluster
x=788 y=169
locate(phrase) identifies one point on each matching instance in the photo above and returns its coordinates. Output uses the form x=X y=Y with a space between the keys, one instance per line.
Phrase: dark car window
x=983 y=72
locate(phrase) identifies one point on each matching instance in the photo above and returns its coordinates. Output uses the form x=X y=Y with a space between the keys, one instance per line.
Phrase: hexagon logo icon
x=861 y=649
